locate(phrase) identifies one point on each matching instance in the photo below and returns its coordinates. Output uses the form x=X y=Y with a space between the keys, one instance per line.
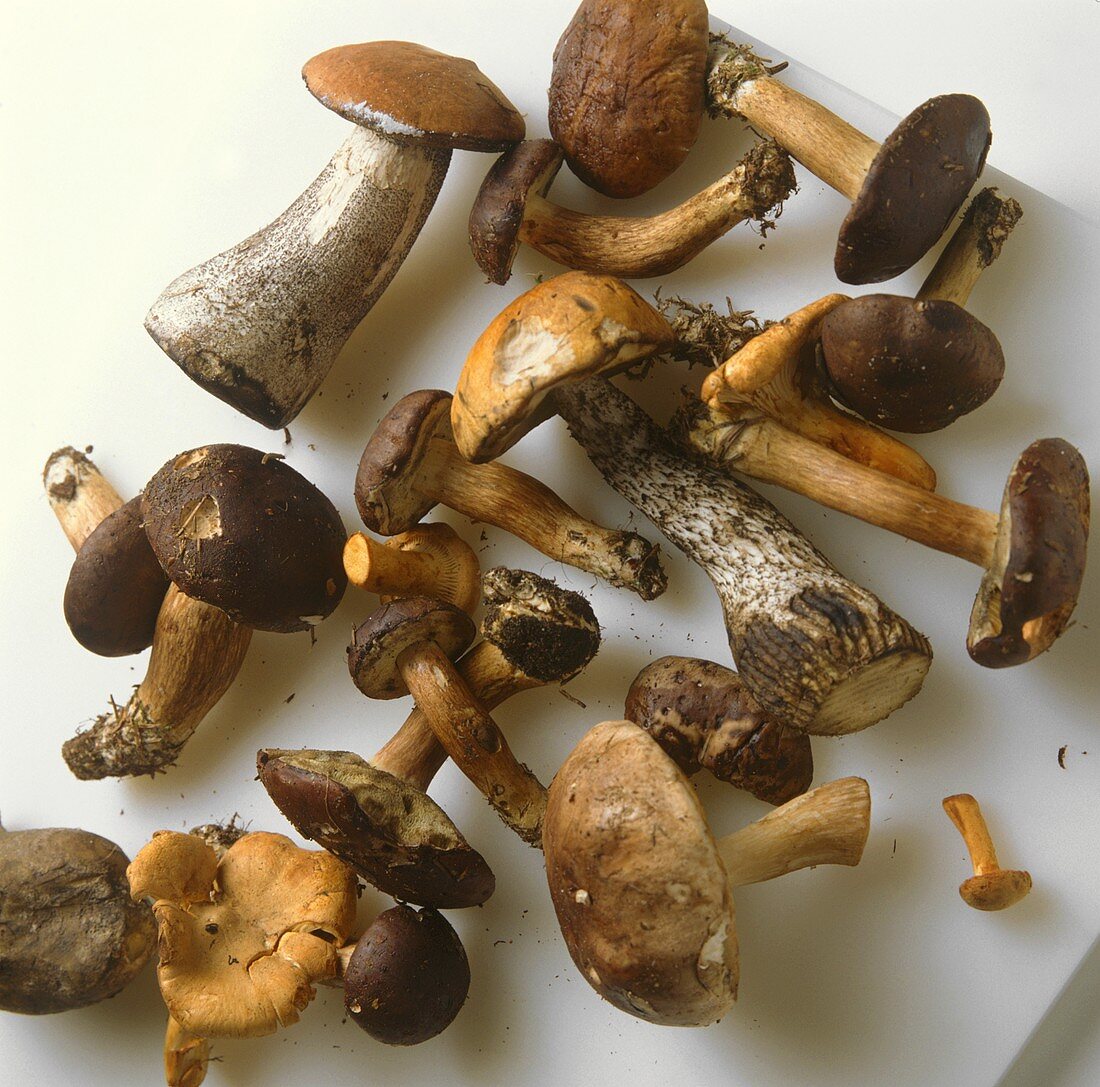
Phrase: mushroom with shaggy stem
x=815 y=650
x=991 y=887
x=642 y=889
x=261 y=324
x=69 y=933
x=917 y=364
x=376 y=815
x=702 y=716
x=512 y=207
x=410 y=464
x=904 y=191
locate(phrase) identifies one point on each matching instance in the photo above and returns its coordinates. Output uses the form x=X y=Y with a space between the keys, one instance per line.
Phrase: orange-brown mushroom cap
x=242 y=941
x=998 y=890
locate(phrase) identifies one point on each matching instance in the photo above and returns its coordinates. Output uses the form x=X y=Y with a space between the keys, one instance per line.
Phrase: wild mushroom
x=642 y=889
x=815 y=650
x=429 y=560
x=410 y=464
x=376 y=815
x=197 y=651
x=702 y=716
x=242 y=939
x=904 y=191
x=261 y=324
x=69 y=933
x=512 y=207
x=991 y=887
x=917 y=364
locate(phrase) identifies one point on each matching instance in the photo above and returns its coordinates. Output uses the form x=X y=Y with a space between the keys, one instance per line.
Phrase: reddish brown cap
x=916 y=183
x=1028 y=594
x=910 y=365
x=412 y=94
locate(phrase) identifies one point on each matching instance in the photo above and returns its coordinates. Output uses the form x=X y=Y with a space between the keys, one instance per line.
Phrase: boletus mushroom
x=991 y=887
x=298 y=288
x=904 y=191
x=642 y=889
x=702 y=716
x=70 y=935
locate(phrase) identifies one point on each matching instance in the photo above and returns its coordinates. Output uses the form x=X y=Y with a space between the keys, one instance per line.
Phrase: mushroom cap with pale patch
x=640 y=891
x=392 y=833
x=412 y=94
x=243 y=940
x=565 y=329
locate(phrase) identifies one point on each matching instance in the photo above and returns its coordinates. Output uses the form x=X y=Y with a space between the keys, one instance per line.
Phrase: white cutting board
x=180 y=139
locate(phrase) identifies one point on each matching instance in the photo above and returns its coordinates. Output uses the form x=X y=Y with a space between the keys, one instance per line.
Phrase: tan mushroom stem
x=827 y=825
x=638 y=247
x=197 y=651
x=186 y=1056
x=472 y=738
x=991 y=887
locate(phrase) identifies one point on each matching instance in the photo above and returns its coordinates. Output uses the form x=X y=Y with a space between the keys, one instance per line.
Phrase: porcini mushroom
x=641 y=888
x=410 y=464
x=904 y=191
x=376 y=816
x=295 y=290
x=702 y=716
x=512 y=207
x=991 y=887
x=917 y=364
x=69 y=933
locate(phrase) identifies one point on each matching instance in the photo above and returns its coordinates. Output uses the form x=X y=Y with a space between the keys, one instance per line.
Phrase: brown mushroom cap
x=70 y=935
x=995 y=890
x=563 y=330
x=412 y=94
x=392 y=833
x=245 y=532
x=702 y=716
x=637 y=882
x=407 y=978
x=497 y=214
x=1030 y=590
x=908 y=364
x=627 y=91
x=116 y=586
x=916 y=183
x=400 y=625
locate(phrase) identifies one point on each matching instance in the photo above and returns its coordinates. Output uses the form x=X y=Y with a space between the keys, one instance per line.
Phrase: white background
x=138 y=139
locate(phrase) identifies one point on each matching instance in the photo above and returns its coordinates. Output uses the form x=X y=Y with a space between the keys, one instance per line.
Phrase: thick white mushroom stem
x=638 y=247
x=185 y=1056
x=816 y=650
x=827 y=825
x=261 y=324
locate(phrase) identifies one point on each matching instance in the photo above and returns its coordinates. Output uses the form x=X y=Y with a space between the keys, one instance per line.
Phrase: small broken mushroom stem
x=78 y=493
x=186 y=1056
x=827 y=825
x=991 y=887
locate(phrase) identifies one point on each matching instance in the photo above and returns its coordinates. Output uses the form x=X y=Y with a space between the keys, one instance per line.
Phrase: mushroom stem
x=974 y=246
x=991 y=887
x=79 y=495
x=813 y=648
x=963 y=810
x=185 y=1056
x=473 y=740
x=827 y=825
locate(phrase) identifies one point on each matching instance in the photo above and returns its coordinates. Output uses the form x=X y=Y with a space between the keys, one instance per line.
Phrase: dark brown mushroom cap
x=627 y=91
x=916 y=183
x=412 y=94
x=547 y=632
x=1028 y=595
x=70 y=934
x=702 y=716
x=393 y=834
x=246 y=533
x=908 y=364
x=116 y=586
x=398 y=626
x=387 y=494
x=497 y=214
x=407 y=978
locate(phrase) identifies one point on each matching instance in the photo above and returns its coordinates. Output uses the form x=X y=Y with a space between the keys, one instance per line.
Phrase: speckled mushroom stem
x=473 y=739
x=261 y=324
x=185 y=1056
x=974 y=246
x=827 y=825
x=813 y=648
